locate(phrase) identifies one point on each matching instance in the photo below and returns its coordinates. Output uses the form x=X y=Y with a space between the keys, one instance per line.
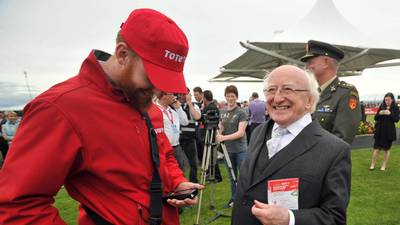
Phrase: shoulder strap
x=155 y=185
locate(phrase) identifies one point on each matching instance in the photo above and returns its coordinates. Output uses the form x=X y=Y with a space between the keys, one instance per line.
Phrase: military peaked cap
x=318 y=48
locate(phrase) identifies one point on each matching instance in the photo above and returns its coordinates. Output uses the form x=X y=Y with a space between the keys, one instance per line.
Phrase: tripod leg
x=228 y=162
x=204 y=166
x=216 y=216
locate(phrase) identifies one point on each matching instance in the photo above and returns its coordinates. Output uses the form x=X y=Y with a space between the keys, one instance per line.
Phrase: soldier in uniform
x=338 y=109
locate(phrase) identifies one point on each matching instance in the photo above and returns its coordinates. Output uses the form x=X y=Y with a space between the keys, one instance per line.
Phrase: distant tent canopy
x=288 y=46
x=262 y=57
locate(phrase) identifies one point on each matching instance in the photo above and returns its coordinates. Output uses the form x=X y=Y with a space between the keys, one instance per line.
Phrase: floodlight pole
x=27 y=85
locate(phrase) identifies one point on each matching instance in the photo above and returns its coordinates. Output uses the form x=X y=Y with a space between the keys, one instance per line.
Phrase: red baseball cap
x=161 y=45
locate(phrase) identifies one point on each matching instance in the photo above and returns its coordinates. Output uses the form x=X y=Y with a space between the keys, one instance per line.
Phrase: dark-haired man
x=187 y=138
x=198 y=96
x=257 y=110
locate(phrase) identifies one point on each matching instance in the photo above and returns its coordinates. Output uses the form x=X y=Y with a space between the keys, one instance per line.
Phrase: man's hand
x=176 y=104
x=188 y=201
x=188 y=98
x=270 y=214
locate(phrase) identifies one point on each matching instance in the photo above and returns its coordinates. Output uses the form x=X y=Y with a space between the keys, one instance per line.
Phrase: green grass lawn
x=375 y=195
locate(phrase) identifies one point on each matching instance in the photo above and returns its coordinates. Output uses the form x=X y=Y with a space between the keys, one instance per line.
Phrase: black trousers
x=189 y=146
x=200 y=136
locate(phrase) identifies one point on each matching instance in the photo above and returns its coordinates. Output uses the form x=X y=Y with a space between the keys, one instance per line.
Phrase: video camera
x=211 y=118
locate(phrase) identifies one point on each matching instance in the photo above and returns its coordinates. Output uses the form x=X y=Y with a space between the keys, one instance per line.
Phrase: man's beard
x=139 y=98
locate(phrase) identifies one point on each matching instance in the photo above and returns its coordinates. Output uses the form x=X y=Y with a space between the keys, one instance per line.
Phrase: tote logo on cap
x=161 y=45
x=174 y=56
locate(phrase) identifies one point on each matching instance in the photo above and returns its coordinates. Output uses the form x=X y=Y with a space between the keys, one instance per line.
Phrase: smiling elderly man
x=296 y=172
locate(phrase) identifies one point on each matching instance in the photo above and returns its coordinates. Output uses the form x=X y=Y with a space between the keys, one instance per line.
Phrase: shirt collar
x=296 y=127
x=324 y=86
x=162 y=107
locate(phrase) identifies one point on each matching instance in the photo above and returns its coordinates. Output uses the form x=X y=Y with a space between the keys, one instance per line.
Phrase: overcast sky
x=49 y=39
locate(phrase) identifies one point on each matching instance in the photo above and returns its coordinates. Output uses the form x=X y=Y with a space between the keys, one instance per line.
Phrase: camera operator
x=210 y=110
x=208 y=105
x=188 y=133
x=174 y=117
x=233 y=134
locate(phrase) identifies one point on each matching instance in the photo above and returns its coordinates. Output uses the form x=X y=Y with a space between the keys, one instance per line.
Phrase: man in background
x=188 y=135
x=173 y=117
x=257 y=112
x=338 y=110
x=198 y=96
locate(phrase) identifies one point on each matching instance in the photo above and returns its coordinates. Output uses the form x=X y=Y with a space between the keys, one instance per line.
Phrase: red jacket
x=83 y=134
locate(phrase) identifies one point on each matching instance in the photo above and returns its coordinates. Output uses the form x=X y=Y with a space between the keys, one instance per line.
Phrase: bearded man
x=92 y=134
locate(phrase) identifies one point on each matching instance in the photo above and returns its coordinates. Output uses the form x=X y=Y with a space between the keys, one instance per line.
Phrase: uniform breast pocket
x=326 y=119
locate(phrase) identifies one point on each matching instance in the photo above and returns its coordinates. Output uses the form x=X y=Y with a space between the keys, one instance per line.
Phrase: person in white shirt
x=174 y=117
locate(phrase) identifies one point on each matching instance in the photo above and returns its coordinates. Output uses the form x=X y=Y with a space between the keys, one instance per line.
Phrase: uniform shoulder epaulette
x=346 y=85
x=352 y=88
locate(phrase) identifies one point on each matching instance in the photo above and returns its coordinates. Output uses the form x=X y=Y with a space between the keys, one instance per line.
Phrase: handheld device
x=181 y=195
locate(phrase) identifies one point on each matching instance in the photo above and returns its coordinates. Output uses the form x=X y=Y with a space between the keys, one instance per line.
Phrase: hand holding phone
x=181 y=195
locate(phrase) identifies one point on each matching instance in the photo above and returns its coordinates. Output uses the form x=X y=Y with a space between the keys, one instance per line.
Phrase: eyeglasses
x=286 y=91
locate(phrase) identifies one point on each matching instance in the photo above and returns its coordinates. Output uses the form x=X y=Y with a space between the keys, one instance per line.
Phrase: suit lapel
x=302 y=143
x=258 y=144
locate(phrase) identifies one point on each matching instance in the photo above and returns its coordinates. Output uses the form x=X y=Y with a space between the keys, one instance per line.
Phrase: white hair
x=313 y=87
x=311 y=83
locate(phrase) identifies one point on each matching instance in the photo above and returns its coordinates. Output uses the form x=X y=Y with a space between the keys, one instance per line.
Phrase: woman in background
x=385 y=130
x=233 y=133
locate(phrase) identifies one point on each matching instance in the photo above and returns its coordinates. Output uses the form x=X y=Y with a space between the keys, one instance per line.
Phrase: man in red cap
x=92 y=134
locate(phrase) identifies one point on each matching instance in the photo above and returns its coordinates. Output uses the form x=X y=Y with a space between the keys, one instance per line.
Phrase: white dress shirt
x=294 y=129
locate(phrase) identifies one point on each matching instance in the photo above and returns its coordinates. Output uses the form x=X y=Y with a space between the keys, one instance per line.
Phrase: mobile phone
x=181 y=195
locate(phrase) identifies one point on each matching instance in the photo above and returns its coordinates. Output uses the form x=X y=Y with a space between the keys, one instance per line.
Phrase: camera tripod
x=209 y=161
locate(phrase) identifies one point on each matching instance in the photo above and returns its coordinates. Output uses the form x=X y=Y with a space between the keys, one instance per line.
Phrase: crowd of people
x=122 y=133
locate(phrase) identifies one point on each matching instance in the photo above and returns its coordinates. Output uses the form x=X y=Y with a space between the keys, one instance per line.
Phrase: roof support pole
x=356 y=56
x=252 y=47
x=223 y=70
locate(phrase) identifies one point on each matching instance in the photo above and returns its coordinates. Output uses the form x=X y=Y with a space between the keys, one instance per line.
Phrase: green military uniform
x=338 y=110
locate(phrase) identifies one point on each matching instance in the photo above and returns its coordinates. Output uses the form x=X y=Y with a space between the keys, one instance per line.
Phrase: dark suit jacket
x=319 y=159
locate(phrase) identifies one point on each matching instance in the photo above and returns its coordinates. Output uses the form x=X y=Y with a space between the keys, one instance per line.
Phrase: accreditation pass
x=284 y=192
